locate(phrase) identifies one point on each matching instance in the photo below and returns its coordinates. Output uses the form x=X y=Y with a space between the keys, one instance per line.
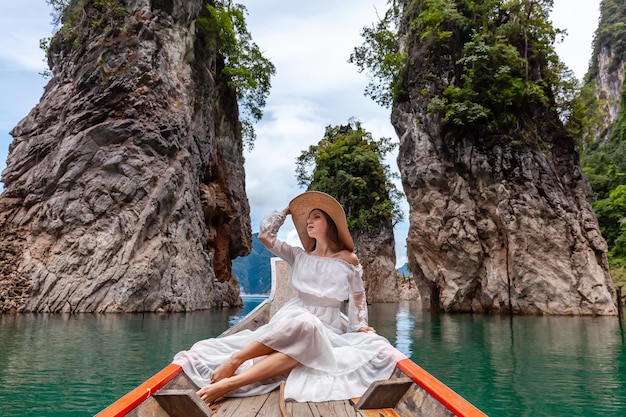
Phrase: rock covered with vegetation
x=500 y=219
x=602 y=129
x=347 y=163
x=125 y=184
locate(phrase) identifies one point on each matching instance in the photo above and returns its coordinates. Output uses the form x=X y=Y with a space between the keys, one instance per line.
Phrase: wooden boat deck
x=268 y=405
x=410 y=391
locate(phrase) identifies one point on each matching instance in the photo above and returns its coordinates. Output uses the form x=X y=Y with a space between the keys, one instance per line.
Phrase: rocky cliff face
x=495 y=227
x=380 y=278
x=609 y=80
x=125 y=185
x=501 y=229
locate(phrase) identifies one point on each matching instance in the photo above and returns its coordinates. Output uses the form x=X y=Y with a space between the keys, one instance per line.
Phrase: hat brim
x=302 y=205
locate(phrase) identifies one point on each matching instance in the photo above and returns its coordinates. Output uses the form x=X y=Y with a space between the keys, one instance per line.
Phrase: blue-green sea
x=75 y=365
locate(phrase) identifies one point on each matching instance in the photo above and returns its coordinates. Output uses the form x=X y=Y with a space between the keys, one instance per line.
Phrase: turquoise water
x=57 y=366
x=517 y=366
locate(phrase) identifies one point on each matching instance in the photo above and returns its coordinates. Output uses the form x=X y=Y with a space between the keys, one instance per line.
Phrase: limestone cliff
x=606 y=72
x=125 y=184
x=382 y=282
x=495 y=226
x=609 y=80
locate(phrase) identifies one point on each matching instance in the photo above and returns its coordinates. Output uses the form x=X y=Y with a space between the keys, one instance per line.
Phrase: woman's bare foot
x=212 y=392
x=225 y=370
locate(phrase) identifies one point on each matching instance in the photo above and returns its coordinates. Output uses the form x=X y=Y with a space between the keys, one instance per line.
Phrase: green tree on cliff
x=603 y=148
x=507 y=84
x=248 y=71
x=221 y=25
x=507 y=75
x=348 y=164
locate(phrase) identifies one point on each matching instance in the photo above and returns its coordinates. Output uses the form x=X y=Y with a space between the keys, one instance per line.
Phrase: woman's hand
x=366 y=329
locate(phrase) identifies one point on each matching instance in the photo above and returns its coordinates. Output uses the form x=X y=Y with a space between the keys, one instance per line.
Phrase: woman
x=303 y=342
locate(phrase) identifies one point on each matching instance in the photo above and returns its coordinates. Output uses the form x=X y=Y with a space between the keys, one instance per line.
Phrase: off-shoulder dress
x=334 y=364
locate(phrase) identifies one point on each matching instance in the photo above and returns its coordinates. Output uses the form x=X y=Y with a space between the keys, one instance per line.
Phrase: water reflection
x=405 y=322
x=74 y=365
x=55 y=365
x=518 y=366
x=250 y=302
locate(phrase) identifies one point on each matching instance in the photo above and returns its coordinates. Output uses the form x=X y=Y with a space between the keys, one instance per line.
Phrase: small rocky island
x=500 y=222
x=125 y=184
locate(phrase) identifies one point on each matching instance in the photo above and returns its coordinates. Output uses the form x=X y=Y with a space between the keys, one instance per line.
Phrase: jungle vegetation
x=348 y=163
x=506 y=74
x=603 y=148
x=222 y=26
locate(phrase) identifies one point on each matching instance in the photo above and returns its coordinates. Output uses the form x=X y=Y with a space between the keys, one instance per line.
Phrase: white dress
x=333 y=364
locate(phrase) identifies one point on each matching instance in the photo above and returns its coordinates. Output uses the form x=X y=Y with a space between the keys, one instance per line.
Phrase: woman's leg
x=228 y=368
x=275 y=364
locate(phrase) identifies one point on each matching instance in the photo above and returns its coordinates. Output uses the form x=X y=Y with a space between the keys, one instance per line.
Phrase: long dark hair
x=332 y=233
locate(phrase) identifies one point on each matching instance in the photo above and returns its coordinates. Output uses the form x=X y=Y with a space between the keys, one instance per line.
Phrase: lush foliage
x=603 y=148
x=247 y=70
x=348 y=164
x=71 y=16
x=605 y=167
x=222 y=26
x=506 y=70
x=611 y=32
x=380 y=56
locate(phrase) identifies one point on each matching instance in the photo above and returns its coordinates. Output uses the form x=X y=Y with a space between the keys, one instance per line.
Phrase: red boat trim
x=131 y=400
x=450 y=399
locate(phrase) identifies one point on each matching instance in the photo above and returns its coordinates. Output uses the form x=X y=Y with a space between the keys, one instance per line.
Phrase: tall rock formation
x=609 y=81
x=495 y=226
x=347 y=163
x=380 y=277
x=606 y=72
x=125 y=184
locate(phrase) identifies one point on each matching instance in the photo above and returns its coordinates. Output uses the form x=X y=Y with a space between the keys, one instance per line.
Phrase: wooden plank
x=334 y=408
x=318 y=409
x=297 y=409
x=384 y=394
x=227 y=407
x=244 y=407
x=181 y=381
x=381 y=412
x=440 y=392
x=344 y=408
x=131 y=400
x=250 y=406
x=271 y=407
x=182 y=403
x=148 y=408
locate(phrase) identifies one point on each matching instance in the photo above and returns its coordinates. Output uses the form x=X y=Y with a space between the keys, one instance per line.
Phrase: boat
x=410 y=391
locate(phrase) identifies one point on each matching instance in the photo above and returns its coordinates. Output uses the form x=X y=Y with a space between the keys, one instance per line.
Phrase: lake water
x=62 y=365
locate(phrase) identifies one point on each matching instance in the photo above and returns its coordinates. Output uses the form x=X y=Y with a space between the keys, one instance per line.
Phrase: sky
x=314 y=86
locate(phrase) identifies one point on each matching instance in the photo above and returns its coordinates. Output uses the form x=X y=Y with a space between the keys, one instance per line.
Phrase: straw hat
x=302 y=205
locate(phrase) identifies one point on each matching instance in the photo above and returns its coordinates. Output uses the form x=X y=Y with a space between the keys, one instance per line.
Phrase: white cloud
x=23 y=24
x=580 y=19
